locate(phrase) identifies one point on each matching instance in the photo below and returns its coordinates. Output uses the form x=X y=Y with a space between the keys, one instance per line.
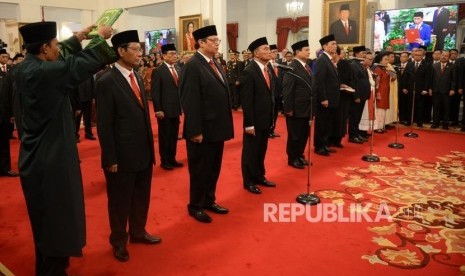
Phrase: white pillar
x=218 y=17
x=257 y=19
x=315 y=25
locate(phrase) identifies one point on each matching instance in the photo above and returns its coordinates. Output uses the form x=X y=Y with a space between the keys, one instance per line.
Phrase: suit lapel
x=260 y=73
x=123 y=83
x=210 y=69
x=298 y=67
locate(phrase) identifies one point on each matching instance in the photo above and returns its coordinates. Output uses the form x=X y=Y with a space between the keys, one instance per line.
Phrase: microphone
x=285 y=67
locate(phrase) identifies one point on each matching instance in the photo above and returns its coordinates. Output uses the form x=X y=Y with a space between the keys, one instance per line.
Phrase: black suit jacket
x=442 y=21
x=296 y=94
x=5 y=100
x=165 y=93
x=361 y=81
x=326 y=82
x=419 y=79
x=205 y=101
x=443 y=82
x=123 y=125
x=337 y=28
x=256 y=99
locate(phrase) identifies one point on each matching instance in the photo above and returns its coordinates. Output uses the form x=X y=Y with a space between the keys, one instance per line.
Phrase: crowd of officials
x=354 y=94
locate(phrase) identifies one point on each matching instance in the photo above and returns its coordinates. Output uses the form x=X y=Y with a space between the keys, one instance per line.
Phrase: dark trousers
x=277 y=104
x=419 y=108
x=5 y=158
x=253 y=156
x=128 y=201
x=297 y=137
x=355 y=115
x=455 y=107
x=441 y=106
x=168 y=129
x=234 y=95
x=323 y=125
x=204 y=161
x=405 y=106
x=427 y=108
x=86 y=113
x=463 y=111
x=51 y=266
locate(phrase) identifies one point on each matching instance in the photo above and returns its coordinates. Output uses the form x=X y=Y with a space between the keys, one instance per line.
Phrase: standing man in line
x=277 y=79
x=234 y=69
x=297 y=105
x=258 y=106
x=126 y=142
x=48 y=158
x=167 y=106
x=326 y=90
x=207 y=122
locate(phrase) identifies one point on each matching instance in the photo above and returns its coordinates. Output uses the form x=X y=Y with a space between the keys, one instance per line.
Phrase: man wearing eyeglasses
x=207 y=124
x=126 y=141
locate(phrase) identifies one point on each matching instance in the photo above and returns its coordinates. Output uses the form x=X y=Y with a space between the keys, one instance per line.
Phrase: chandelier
x=294 y=9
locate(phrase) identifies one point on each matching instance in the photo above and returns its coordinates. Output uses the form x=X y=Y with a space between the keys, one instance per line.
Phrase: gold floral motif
x=404 y=257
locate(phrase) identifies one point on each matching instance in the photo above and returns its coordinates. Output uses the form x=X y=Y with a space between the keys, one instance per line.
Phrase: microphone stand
x=308 y=198
x=396 y=145
x=370 y=157
x=412 y=134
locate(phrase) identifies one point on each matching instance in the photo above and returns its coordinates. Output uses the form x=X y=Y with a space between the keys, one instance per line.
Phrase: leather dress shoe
x=419 y=125
x=167 y=167
x=433 y=126
x=177 y=164
x=90 y=137
x=321 y=151
x=253 y=189
x=146 y=239
x=355 y=140
x=200 y=215
x=336 y=145
x=380 y=131
x=329 y=150
x=303 y=161
x=10 y=174
x=362 y=138
x=266 y=183
x=463 y=128
x=121 y=253
x=296 y=164
x=217 y=209
x=274 y=135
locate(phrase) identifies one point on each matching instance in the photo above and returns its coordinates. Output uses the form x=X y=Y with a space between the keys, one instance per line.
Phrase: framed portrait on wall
x=187 y=25
x=346 y=20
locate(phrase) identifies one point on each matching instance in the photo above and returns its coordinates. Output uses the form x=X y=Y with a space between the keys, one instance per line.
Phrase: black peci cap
x=124 y=37
x=38 y=32
x=257 y=43
x=326 y=39
x=204 y=32
x=299 y=45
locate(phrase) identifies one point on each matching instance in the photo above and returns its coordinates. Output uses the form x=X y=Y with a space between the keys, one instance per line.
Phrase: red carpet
x=427 y=177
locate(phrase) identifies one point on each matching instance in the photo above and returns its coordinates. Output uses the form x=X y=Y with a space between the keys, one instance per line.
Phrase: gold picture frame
x=186 y=40
x=354 y=34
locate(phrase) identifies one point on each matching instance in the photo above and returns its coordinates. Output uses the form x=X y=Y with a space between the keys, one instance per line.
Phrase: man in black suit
x=442 y=89
x=361 y=84
x=440 y=26
x=6 y=117
x=297 y=105
x=326 y=94
x=344 y=29
x=405 y=100
x=5 y=69
x=258 y=107
x=277 y=79
x=207 y=122
x=167 y=106
x=383 y=16
x=126 y=141
x=234 y=69
x=416 y=82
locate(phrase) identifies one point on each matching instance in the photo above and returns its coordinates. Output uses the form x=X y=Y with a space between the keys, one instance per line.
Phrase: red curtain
x=284 y=25
x=232 y=30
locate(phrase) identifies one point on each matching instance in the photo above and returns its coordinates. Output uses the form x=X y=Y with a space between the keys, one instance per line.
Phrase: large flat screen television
x=156 y=38
x=433 y=27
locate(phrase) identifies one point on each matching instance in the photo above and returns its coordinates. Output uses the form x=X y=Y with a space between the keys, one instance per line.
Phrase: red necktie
x=275 y=69
x=308 y=69
x=346 y=27
x=4 y=68
x=267 y=78
x=135 y=88
x=213 y=66
x=443 y=68
x=175 y=77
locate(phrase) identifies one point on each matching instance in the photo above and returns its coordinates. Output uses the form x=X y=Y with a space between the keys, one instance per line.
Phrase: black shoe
x=336 y=145
x=167 y=167
x=419 y=125
x=454 y=124
x=266 y=183
x=274 y=135
x=177 y=164
x=362 y=138
x=200 y=215
x=146 y=239
x=121 y=253
x=329 y=150
x=12 y=137
x=321 y=151
x=217 y=209
x=463 y=128
x=303 y=161
x=433 y=126
x=90 y=137
x=253 y=189
x=445 y=127
x=355 y=140
x=10 y=174
x=296 y=164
